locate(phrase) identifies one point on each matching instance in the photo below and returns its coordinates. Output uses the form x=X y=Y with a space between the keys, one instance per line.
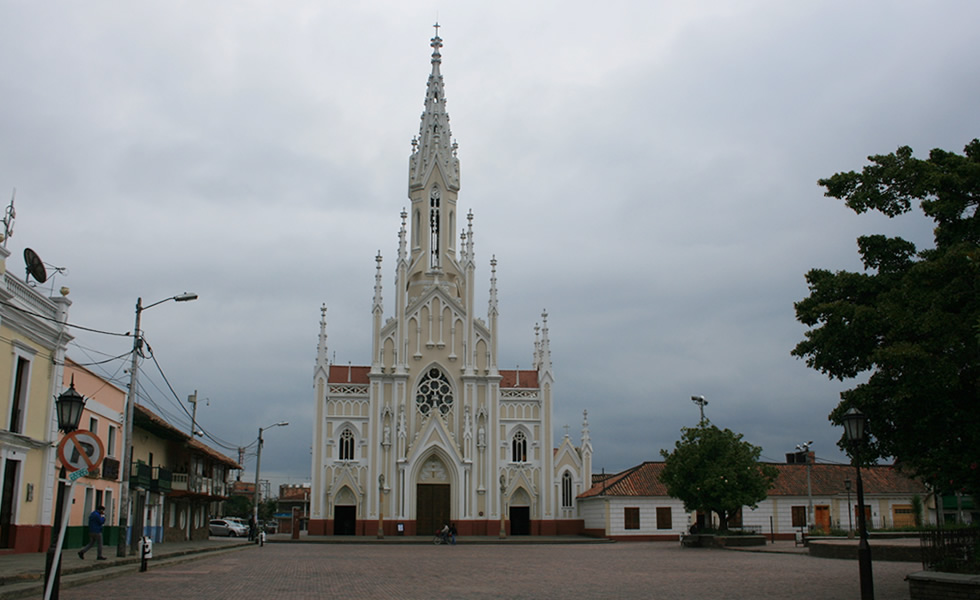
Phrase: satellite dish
x=35 y=268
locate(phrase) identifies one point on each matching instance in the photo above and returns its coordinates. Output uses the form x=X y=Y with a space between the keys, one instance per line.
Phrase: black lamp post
x=69 y=406
x=850 y=524
x=854 y=421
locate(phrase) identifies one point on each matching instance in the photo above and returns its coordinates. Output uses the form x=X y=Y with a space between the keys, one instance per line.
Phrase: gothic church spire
x=434 y=144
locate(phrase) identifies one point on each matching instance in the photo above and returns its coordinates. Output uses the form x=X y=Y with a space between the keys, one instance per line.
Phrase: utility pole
x=192 y=399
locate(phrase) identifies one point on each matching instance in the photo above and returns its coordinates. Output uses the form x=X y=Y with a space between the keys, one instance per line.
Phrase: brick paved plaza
x=623 y=570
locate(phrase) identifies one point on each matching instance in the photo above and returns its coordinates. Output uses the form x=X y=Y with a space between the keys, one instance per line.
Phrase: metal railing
x=951 y=550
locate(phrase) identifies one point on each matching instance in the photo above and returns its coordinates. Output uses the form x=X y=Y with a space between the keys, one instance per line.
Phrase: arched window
x=434 y=218
x=566 y=490
x=347 y=444
x=519 y=448
x=434 y=393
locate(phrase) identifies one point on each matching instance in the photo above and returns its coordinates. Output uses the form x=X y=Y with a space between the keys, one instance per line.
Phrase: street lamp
x=503 y=490
x=69 y=407
x=381 y=509
x=805 y=449
x=258 y=464
x=850 y=525
x=701 y=402
x=854 y=422
x=128 y=424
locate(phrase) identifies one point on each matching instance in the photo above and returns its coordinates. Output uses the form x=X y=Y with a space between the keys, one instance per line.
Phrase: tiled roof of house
x=154 y=423
x=825 y=480
x=509 y=378
x=512 y=378
x=642 y=480
x=348 y=374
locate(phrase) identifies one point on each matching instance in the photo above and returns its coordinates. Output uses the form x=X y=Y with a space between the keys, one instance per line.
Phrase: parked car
x=238 y=520
x=226 y=527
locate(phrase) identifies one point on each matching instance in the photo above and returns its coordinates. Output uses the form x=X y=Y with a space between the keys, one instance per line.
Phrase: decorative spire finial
x=378 y=301
x=321 y=350
x=436 y=44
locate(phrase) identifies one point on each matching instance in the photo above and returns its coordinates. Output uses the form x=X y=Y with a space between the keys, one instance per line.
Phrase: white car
x=226 y=527
x=238 y=520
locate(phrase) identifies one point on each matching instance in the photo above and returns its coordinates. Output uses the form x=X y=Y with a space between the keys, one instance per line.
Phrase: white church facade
x=431 y=431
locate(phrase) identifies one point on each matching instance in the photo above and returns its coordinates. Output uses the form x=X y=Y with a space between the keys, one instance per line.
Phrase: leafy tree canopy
x=712 y=469
x=909 y=321
x=238 y=506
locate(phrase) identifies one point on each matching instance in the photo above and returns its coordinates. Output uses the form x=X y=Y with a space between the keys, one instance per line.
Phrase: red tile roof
x=642 y=480
x=825 y=480
x=147 y=419
x=510 y=378
x=348 y=374
x=518 y=379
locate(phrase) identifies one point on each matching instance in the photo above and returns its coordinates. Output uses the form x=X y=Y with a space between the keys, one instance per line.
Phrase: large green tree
x=713 y=470
x=908 y=322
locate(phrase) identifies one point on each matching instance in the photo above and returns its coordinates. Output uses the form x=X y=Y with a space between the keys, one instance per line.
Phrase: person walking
x=95 y=522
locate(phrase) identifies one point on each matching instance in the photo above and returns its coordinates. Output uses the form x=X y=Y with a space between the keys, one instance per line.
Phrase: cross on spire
x=436 y=41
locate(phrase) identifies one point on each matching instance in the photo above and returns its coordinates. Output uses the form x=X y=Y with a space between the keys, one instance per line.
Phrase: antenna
x=8 y=219
x=35 y=268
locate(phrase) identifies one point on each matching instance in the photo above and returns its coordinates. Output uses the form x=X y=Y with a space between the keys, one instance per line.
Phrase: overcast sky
x=645 y=171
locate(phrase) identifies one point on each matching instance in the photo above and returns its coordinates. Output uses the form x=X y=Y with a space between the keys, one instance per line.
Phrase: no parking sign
x=81 y=450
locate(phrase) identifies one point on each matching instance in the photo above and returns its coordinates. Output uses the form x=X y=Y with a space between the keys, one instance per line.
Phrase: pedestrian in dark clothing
x=452 y=533
x=95 y=522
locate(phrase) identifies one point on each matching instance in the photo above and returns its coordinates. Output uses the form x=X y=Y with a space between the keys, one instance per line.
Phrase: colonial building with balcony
x=103 y=414
x=177 y=482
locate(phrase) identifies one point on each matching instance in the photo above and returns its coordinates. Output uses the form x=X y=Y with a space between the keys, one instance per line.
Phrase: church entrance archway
x=344 y=520
x=432 y=507
x=520 y=520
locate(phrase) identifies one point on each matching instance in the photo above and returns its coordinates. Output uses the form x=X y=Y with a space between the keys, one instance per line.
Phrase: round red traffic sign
x=81 y=450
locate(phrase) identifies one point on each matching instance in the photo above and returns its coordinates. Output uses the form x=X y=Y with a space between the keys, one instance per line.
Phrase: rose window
x=434 y=393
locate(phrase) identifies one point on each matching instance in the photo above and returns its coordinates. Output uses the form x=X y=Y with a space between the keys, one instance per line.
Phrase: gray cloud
x=645 y=173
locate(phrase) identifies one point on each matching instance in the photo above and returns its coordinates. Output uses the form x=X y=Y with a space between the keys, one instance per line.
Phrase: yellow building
x=33 y=337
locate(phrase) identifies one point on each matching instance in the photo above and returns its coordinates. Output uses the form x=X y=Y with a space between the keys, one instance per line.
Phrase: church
x=431 y=431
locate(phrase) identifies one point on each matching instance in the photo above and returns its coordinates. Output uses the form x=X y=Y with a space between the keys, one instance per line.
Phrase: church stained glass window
x=347 y=444
x=519 y=447
x=566 y=490
x=434 y=393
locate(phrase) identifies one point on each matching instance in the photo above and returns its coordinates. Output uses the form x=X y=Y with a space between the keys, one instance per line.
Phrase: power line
x=65 y=323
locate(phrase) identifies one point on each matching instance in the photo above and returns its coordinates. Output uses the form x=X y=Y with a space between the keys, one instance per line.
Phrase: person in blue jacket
x=95 y=522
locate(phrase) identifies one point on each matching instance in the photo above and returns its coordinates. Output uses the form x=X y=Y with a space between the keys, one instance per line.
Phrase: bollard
x=146 y=551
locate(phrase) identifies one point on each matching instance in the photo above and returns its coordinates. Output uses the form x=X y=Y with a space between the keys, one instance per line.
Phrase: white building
x=432 y=431
x=634 y=504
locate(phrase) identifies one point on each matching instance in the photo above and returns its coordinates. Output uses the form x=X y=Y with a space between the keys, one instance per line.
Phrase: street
x=622 y=570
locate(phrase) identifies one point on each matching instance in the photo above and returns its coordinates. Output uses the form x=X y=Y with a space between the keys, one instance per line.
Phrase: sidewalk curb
x=32 y=584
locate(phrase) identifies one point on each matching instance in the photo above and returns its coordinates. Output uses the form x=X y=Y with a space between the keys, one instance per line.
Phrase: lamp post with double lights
x=69 y=407
x=701 y=402
x=258 y=465
x=854 y=422
x=124 y=496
